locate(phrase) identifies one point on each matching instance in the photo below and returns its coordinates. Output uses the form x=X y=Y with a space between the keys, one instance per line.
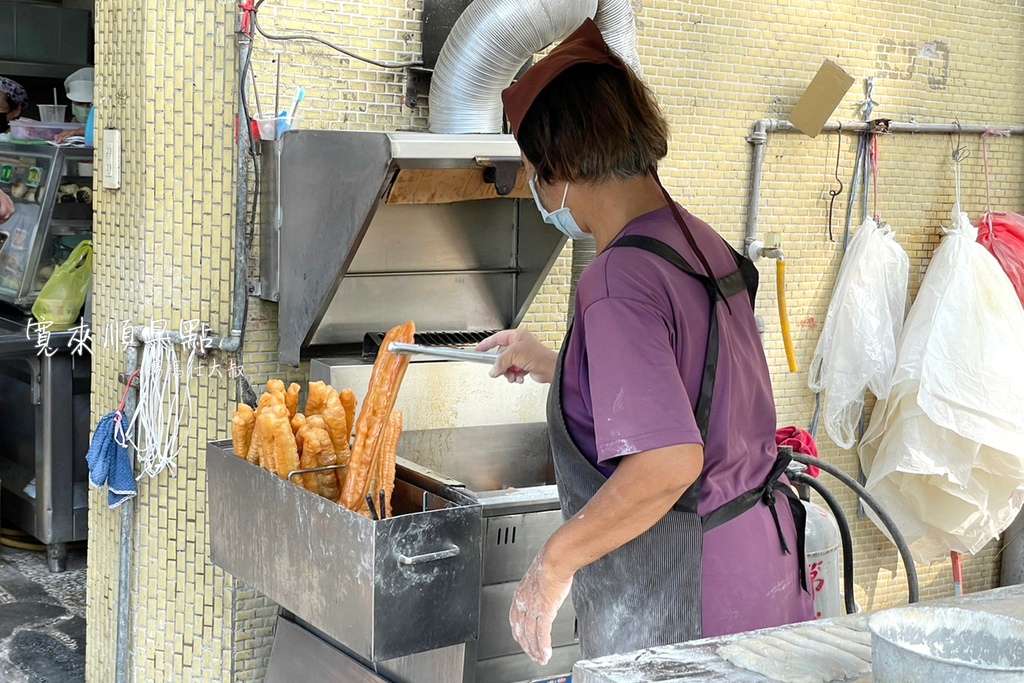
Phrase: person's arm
x=641 y=490
x=65 y=134
x=6 y=207
x=521 y=354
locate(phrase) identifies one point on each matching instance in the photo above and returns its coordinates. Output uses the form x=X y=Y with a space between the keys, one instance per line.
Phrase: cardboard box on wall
x=827 y=89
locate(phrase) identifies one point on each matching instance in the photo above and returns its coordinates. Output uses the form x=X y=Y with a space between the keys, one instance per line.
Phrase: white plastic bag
x=857 y=347
x=944 y=453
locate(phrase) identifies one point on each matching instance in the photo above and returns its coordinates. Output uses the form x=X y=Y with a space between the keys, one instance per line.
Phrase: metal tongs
x=443 y=352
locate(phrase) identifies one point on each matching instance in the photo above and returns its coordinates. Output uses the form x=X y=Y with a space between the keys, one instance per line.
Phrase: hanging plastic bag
x=857 y=347
x=1003 y=235
x=61 y=298
x=944 y=452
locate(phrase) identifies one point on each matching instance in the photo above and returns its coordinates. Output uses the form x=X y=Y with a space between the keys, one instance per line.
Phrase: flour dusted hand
x=534 y=607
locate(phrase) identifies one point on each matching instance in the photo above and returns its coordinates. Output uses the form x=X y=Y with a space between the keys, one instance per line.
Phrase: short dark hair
x=594 y=122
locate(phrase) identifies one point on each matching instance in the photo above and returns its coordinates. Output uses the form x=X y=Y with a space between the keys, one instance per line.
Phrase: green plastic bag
x=61 y=298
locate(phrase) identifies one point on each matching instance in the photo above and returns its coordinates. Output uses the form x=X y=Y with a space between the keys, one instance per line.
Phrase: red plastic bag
x=1003 y=235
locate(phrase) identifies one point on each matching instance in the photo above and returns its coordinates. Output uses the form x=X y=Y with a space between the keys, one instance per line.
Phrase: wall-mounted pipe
x=240 y=294
x=492 y=40
x=763 y=128
x=123 y=661
x=758 y=138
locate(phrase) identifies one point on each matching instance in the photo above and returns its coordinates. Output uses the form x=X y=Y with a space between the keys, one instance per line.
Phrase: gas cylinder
x=822 y=556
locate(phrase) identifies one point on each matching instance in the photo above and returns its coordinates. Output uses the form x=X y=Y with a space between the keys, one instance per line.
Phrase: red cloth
x=585 y=46
x=1003 y=235
x=801 y=442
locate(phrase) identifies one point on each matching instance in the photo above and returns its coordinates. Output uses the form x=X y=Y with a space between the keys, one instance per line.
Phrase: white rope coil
x=164 y=405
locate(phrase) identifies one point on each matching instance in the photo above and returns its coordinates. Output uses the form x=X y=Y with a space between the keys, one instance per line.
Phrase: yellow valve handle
x=787 y=338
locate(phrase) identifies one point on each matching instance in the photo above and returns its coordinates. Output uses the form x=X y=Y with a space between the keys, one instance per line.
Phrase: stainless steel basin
x=946 y=644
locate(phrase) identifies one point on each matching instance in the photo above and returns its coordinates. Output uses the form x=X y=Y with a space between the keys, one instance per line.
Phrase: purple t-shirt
x=636 y=356
x=630 y=384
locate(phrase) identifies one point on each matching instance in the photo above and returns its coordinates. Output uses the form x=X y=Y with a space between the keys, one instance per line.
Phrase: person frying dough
x=679 y=521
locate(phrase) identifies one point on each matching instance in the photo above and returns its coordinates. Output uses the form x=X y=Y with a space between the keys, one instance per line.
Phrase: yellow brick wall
x=718 y=66
x=164 y=76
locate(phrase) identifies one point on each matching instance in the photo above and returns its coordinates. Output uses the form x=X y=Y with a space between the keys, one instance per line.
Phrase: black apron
x=648 y=592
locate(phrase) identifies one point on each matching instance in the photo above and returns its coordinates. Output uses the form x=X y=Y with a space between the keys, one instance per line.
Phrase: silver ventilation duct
x=493 y=39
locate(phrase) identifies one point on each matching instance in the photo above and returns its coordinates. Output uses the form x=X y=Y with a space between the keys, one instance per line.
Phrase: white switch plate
x=111 y=158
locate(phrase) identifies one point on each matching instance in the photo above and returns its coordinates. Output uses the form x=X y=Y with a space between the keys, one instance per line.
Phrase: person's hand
x=534 y=607
x=521 y=354
x=6 y=207
x=65 y=134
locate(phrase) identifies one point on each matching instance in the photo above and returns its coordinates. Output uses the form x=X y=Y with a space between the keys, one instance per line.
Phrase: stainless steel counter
x=44 y=436
x=699 y=660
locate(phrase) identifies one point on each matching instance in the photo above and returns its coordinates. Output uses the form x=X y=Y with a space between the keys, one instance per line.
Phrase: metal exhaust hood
x=361 y=231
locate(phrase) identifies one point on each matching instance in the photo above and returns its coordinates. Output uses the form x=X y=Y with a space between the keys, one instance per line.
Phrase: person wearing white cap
x=79 y=87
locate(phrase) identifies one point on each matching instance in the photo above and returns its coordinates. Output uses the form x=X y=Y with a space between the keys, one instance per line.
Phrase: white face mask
x=560 y=218
x=80 y=112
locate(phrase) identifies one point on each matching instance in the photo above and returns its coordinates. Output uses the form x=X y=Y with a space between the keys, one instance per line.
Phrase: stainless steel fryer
x=488 y=440
x=362 y=231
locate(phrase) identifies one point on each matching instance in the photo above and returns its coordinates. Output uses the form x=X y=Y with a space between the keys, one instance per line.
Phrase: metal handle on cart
x=315 y=469
x=428 y=557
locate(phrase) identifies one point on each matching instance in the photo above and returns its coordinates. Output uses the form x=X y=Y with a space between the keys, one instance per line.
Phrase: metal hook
x=835 y=193
x=960 y=152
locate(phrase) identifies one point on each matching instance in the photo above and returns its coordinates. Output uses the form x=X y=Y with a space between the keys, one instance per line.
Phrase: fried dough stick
x=337 y=428
x=291 y=399
x=298 y=422
x=255 y=454
x=348 y=402
x=275 y=388
x=388 y=458
x=278 y=441
x=318 y=394
x=385 y=381
x=326 y=482
x=242 y=424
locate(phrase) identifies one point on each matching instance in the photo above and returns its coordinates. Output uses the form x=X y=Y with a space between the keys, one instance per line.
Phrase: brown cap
x=585 y=46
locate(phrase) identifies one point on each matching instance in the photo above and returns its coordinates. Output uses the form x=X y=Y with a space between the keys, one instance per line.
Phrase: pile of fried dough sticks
x=279 y=438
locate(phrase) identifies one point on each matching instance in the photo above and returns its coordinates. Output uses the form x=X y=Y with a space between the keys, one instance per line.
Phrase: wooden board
x=448 y=185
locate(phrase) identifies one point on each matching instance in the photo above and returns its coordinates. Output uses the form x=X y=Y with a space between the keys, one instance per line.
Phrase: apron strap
x=796 y=506
x=766 y=495
x=742 y=279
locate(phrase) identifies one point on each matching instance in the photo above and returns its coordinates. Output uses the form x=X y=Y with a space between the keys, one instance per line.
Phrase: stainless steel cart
x=362 y=231
x=44 y=436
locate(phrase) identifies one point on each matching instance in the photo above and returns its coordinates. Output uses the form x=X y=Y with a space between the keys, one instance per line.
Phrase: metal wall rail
x=762 y=130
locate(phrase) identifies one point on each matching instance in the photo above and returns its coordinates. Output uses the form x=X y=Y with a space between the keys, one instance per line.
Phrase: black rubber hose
x=844 y=535
x=887 y=521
